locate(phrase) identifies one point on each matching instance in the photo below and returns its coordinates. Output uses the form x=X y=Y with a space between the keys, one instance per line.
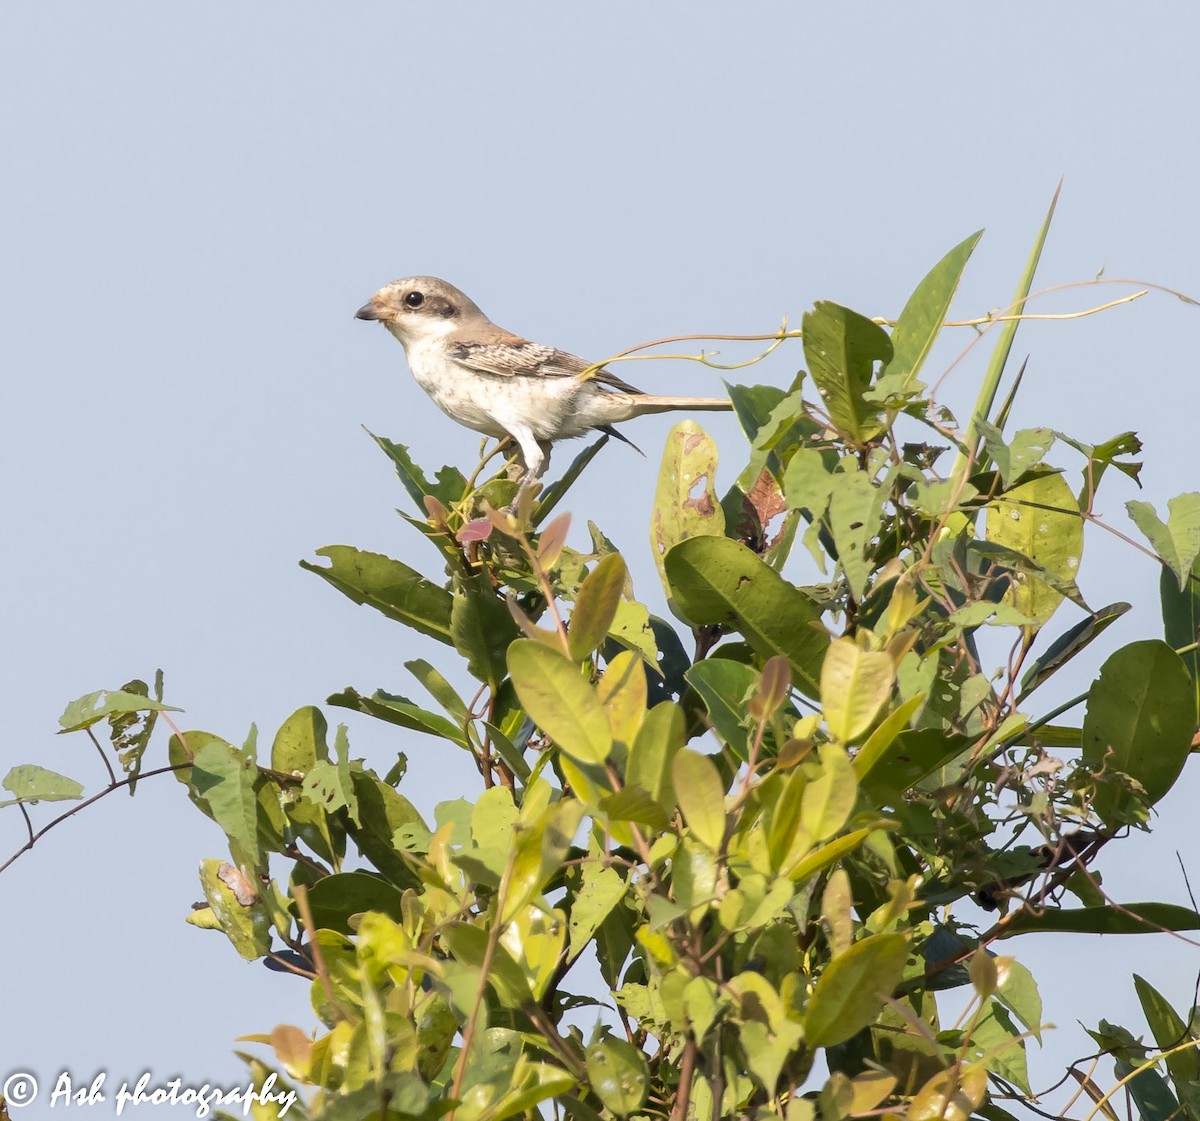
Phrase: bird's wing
x=522 y=358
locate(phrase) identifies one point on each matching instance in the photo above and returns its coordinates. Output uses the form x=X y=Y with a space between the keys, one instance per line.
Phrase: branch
x=35 y=837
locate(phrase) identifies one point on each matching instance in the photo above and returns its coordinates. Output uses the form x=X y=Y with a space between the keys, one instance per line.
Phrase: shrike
x=501 y=384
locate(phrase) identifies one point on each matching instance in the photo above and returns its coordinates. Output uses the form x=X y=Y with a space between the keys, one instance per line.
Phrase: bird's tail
x=620 y=407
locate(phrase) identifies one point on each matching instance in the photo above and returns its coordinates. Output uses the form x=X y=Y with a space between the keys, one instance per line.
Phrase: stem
x=485 y=967
x=112 y=775
x=300 y=894
x=687 y=1071
x=35 y=837
x=562 y=1048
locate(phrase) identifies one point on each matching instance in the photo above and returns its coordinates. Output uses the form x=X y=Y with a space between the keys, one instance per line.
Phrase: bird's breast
x=552 y=408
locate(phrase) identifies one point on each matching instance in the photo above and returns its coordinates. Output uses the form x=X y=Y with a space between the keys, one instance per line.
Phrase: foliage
x=694 y=877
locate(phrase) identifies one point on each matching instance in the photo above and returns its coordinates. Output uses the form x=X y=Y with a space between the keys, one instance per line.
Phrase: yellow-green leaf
x=828 y=800
x=950 y=1095
x=1040 y=520
x=560 y=701
x=716 y=580
x=596 y=605
x=622 y=692
x=685 y=502
x=849 y=994
x=658 y=739
x=855 y=685
x=701 y=796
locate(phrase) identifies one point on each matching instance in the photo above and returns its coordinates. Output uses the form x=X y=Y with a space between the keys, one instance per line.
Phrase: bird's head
x=419 y=308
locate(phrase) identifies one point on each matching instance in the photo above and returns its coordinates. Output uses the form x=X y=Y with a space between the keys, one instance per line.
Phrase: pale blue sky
x=196 y=200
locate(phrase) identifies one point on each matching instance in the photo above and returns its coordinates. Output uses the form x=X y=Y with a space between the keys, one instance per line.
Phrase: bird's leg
x=535 y=454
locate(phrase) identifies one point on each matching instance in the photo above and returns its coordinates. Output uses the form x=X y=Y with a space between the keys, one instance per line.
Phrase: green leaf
x=94 y=707
x=1008 y=332
x=841 y=348
x=880 y=741
x=1149 y=1092
x=753 y=405
x=950 y=1095
x=617 y=1074
x=1133 y=918
x=996 y=1043
x=440 y=689
x=1177 y=542
x=222 y=782
x=715 y=580
x=855 y=685
x=849 y=993
x=703 y=1001
x=701 y=796
x=1025 y=451
x=448 y=489
x=1103 y=456
x=36 y=784
x=596 y=606
x=130 y=732
x=560 y=701
x=1070 y=643
x=623 y=691
x=1018 y=992
x=540 y=849
x=1039 y=520
x=632 y=803
x=1181 y=622
x=528 y=1083
x=819 y=859
x=913 y=756
x=300 y=742
x=334 y=899
x=401 y=711
x=694 y=878
x=391 y=587
x=614 y=940
x=555 y=492
x=1169 y=1031
x=650 y=756
x=787 y=429
x=723 y=685
x=382 y=813
x=493 y=829
x=481 y=628
x=469 y=945
x=244 y=923
x=768 y=1047
x=329 y=783
x=1140 y=720
x=633 y=628
x=809 y=480
x=685 y=501
x=923 y=315
x=600 y=890
x=855 y=516
x=828 y=799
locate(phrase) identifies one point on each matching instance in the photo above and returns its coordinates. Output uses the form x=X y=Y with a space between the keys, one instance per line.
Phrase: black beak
x=369 y=310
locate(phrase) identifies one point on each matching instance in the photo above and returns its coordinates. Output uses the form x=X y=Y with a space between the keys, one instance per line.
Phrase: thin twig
x=485 y=968
x=1027 y=315
x=35 y=837
x=300 y=894
x=112 y=775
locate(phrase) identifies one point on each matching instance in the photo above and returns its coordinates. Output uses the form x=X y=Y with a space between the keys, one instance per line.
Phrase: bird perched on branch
x=501 y=384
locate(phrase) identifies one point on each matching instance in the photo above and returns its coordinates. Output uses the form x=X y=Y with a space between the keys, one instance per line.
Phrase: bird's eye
x=414 y=299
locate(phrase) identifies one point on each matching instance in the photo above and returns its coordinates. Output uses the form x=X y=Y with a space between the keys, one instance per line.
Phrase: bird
x=501 y=384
